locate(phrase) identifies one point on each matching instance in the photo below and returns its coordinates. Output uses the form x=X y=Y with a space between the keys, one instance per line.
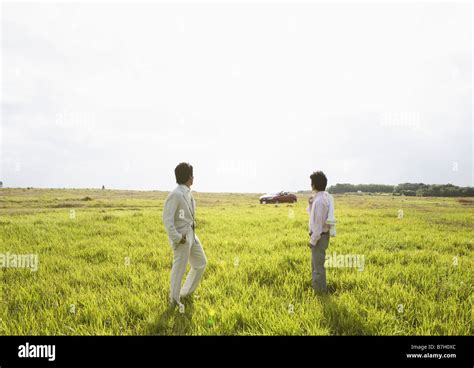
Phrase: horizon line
x=217 y=192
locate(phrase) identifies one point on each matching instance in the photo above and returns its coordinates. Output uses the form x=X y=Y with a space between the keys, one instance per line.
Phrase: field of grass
x=104 y=268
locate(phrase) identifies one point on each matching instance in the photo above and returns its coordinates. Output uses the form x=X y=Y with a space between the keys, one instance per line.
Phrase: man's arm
x=171 y=205
x=317 y=222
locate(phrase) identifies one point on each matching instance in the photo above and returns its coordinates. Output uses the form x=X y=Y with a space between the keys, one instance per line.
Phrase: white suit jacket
x=179 y=213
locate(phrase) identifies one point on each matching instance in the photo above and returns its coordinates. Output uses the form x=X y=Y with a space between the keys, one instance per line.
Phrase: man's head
x=318 y=181
x=184 y=174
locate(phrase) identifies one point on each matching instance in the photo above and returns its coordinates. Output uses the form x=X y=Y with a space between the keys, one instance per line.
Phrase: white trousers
x=193 y=252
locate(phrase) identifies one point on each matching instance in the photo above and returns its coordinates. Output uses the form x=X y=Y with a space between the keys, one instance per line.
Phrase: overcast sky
x=256 y=97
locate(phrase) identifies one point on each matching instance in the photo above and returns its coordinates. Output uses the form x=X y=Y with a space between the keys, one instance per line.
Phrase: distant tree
x=468 y=192
x=407 y=189
x=410 y=186
x=342 y=188
x=366 y=188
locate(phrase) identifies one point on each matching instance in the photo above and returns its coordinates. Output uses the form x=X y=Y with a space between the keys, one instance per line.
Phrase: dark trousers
x=318 y=258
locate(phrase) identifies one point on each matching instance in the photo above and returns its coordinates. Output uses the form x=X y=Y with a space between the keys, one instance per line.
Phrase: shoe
x=174 y=303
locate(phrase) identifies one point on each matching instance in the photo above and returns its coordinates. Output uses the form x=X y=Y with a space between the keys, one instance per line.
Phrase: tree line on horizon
x=407 y=189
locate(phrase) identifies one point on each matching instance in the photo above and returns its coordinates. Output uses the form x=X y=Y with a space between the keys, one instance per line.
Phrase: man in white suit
x=179 y=220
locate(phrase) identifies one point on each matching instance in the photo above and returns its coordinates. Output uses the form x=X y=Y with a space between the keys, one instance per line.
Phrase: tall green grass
x=106 y=271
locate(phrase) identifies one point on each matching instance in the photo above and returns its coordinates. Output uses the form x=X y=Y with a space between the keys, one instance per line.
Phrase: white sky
x=256 y=97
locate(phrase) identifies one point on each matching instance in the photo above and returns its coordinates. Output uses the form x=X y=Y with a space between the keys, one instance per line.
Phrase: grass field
x=104 y=268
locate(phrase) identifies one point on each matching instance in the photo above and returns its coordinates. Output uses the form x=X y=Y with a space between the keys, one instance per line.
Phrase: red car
x=281 y=197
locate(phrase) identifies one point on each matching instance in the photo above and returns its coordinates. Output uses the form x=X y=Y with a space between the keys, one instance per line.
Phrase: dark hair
x=183 y=172
x=318 y=180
